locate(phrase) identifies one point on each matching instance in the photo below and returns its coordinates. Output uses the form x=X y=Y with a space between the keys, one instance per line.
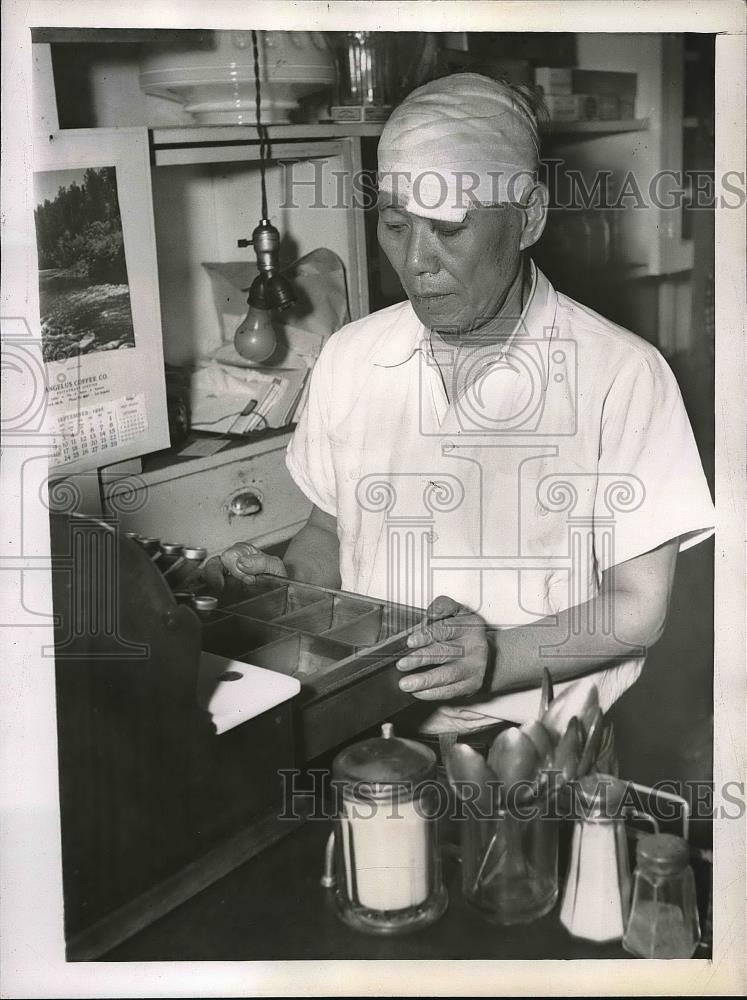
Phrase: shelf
x=599 y=127
x=170 y=464
x=212 y=134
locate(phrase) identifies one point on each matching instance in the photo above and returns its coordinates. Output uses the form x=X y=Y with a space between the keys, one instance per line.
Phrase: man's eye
x=393 y=227
x=448 y=233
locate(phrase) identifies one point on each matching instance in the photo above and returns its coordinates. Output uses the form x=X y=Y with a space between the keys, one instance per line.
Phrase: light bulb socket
x=258 y=293
x=265 y=239
x=271 y=292
x=279 y=292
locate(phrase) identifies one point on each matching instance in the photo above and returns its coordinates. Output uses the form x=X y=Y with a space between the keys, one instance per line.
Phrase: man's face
x=456 y=274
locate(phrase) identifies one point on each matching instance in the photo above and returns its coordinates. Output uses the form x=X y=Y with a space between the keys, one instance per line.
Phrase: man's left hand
x=453 y=640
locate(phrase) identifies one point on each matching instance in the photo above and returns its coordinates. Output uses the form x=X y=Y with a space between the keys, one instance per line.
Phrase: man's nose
x=421 y=256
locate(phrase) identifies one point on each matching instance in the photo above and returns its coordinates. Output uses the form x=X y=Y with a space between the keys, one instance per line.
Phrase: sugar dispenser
x=596 y=898
x=387 y=869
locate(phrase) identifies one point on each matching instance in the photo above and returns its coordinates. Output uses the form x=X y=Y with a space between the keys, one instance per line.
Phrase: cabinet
x=205 y=197
x=242 y=493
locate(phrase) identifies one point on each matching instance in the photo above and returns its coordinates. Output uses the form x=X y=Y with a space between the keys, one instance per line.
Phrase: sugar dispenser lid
x=601 y=796
x=384 y=765
x=662 y=853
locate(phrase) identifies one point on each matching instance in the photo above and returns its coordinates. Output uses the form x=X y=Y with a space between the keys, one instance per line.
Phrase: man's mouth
x=430 y=296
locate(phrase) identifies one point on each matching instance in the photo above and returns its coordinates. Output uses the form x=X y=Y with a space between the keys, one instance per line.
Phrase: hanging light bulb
x=255 y=338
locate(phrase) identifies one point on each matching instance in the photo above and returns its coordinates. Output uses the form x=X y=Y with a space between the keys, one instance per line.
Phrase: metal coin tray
x=341 y=647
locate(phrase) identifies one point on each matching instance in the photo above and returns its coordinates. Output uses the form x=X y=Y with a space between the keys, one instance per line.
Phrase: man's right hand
x=244 y=561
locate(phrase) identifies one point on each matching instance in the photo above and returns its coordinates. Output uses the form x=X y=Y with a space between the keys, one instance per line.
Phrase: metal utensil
x=579 y=700
x=546 y=693
x=513 y=757
x=593 y=743
x=543 y=742
x=566 y=757
x=467 y=769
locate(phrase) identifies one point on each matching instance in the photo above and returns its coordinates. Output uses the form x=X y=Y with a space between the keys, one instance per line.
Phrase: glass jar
x=387 y=863
x=206 y=607
x=510 y=864
x=151 y=545
x=167 y=555
x=364 y=68
x=663 y=920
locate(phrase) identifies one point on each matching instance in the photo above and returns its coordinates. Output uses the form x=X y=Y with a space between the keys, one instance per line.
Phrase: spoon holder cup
x=510 y=864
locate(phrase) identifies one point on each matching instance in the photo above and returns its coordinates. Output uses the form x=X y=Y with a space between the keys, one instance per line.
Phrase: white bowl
x=215 y=81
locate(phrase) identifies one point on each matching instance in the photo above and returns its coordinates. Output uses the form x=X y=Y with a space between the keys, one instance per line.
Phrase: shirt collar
x=407 y=335
x=402 y=339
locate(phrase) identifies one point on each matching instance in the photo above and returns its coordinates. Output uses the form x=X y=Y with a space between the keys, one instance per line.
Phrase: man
x=490 y=440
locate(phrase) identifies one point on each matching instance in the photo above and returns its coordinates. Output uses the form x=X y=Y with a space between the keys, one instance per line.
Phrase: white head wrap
x=457 y=142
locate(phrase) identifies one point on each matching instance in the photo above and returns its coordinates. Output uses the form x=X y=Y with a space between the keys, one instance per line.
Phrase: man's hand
x=455 y=639
x=244 y=561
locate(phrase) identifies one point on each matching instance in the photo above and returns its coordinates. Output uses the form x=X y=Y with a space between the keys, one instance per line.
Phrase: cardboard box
x=608 y=107
x=570 y=107
x=604 y=83
x=361 y=112
x=626 y=108
x=553 y=80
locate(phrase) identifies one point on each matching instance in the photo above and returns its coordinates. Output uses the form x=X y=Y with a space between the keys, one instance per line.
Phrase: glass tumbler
x=510 y=865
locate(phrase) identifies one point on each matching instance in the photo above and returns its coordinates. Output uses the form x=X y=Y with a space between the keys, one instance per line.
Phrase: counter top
x=274 y=908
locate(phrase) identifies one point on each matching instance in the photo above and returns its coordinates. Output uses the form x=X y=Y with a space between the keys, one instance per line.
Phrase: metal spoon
x=546 y=694
x=578 y=700
x=566 y=757
x=467 y=769
x=513 y=757
x=592 y=745
x=543 y=742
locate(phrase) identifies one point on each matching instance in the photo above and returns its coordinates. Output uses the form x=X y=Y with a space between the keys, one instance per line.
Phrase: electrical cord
x=239 y=413
x=209 y=423
x=261 y=129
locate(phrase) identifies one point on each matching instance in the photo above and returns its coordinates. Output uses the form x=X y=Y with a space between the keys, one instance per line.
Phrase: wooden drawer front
x=195 y=507
x=331 y=720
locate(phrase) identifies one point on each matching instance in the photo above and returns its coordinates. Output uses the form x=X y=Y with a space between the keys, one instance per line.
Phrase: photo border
x=32 y=945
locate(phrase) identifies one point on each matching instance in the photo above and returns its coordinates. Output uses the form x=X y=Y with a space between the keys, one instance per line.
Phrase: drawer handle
x=245 y=504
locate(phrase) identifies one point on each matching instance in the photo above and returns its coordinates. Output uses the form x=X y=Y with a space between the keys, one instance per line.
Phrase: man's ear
x=535 y=215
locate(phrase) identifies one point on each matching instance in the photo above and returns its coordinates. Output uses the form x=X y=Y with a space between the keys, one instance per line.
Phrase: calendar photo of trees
x=84 y=292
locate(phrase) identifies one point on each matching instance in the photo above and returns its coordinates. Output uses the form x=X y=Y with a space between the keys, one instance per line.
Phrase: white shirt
x=570 y=451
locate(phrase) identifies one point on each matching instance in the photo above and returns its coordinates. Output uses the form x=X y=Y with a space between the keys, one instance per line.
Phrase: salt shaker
x=663 y=921
x=387 y=865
